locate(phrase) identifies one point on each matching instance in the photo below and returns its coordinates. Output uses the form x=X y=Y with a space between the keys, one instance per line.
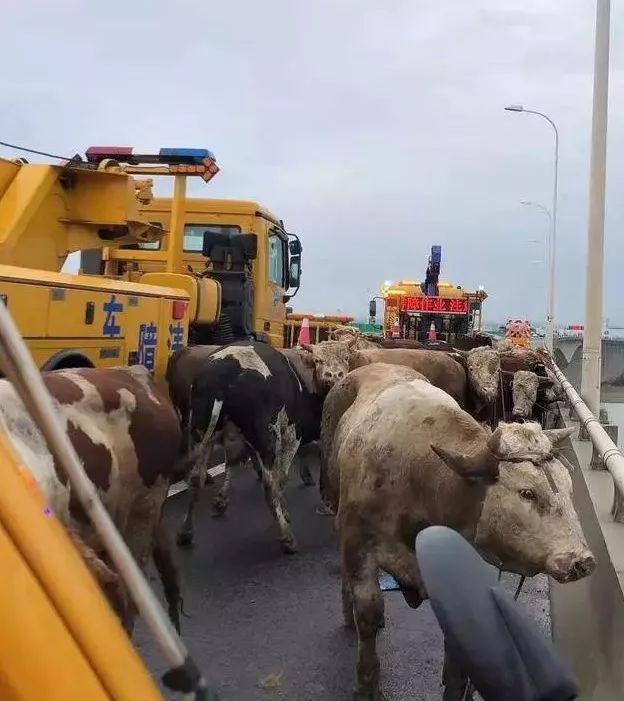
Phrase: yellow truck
x=156 y=273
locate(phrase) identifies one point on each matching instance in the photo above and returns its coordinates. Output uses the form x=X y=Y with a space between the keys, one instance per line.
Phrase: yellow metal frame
x=59 y=639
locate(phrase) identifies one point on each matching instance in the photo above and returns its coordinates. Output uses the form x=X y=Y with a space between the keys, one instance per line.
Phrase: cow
x=401 y=455
x=441 y=369
x=183 y=366
x=349 y=334
x=525 y=390
x=268 y=400
x=526 y=387
x=127 y=436
x=316 y=366
x=473 y=385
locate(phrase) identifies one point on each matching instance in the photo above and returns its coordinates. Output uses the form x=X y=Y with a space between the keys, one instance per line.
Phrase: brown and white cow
x=401 y=455
x=127 y=436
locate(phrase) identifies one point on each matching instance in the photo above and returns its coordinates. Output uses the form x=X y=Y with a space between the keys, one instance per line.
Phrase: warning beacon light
x=178 y=161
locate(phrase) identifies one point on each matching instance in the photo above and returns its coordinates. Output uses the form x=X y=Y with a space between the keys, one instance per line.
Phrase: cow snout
x=573 y=566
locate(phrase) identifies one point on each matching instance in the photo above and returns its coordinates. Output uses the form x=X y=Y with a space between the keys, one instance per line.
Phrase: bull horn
x=307 y=347
x=481 y=466
x=558 y=435
x=493 y=442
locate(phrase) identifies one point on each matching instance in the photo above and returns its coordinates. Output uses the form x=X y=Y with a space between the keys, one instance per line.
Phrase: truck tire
x=64 y=360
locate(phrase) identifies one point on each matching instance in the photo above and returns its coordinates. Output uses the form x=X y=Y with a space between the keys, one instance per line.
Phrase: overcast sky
x=374 y=129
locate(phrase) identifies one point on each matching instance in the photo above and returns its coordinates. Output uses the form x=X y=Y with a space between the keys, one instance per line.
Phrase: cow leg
x=141 y=533
x=368 y=609
x=454 y=680
x=347 y=604
x=273 y=492
x=109 y=581
x=397 y=559
x=199 y=470
x=221 y=500
x=187 y=532
x=168 y=571
x=304 y=457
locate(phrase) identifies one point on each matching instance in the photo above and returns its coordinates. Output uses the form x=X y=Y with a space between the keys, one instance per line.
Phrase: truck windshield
x=194 y=234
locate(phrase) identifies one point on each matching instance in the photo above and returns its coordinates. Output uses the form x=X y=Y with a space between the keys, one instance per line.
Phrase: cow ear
x=558 y=435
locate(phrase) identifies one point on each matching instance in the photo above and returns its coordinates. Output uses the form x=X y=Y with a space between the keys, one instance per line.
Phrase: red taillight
x=178 y=310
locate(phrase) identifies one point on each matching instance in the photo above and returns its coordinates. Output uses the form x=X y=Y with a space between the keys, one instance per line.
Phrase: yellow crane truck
x=156 y=273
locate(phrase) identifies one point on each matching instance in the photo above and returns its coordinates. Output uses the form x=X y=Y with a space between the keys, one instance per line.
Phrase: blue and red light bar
x=166 y=156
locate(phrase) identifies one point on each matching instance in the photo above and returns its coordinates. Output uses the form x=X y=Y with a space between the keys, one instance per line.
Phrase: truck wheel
x=64 y=360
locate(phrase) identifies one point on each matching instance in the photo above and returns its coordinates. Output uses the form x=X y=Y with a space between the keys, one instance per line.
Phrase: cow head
x=525 y=387
x=330 y=360
x=482 y=369
x=528 y=523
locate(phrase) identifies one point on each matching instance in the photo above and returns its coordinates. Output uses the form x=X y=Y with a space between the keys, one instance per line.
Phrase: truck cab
x=237 y=243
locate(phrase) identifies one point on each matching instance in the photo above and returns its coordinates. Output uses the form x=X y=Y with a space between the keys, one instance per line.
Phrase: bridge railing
x=607 y=455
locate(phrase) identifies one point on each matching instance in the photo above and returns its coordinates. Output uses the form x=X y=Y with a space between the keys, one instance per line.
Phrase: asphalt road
x=267 y=626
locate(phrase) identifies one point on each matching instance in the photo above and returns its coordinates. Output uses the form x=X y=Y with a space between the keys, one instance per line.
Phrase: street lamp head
x=514 y=108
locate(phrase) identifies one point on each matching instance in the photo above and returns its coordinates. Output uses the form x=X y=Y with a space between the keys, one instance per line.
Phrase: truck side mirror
x=294 y=246
x=294 y=272
x=213 y=238
x=372 y=309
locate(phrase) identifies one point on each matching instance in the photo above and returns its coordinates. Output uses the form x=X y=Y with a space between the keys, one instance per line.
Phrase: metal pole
x=550 y=307
x=550 y=310
x=592 y=336
x=550 y=313
x=550 y=271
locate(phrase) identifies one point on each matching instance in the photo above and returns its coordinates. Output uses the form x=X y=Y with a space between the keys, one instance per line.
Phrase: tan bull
x=471 y=378
x=401 y=455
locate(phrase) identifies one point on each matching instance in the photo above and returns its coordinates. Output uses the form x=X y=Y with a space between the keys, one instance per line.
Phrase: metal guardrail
x=608 y=456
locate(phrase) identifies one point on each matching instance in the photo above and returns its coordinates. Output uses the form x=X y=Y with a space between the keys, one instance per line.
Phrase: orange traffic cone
x=304 y=332
x=433 y=336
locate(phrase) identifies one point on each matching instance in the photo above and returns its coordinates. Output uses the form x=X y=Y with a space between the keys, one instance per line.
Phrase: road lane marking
x=178 y=487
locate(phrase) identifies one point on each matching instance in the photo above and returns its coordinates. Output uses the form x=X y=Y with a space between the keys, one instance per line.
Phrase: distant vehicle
x=416 y=310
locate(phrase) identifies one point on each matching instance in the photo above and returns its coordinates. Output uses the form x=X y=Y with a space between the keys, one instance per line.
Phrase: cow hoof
x=219 y=506
x=184 y=539
x=289 y=546
x=372 y=696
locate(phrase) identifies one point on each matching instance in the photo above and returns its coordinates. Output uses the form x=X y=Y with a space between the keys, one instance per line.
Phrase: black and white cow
x=251 y=397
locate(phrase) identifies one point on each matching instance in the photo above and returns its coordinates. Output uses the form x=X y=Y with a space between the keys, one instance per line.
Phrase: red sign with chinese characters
x=433 y=305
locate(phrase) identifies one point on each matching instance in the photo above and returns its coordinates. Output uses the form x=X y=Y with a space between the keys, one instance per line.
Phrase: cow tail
x=214 y=417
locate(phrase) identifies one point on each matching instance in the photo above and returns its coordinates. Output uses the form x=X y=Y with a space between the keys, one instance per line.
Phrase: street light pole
x=549 y=279
x=550 y=310
x=592 y=335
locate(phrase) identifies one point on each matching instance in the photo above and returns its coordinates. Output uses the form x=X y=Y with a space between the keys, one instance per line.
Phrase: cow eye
x=528 y=494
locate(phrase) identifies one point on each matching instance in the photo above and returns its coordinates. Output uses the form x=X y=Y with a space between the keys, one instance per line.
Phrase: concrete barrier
x=588 y=616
